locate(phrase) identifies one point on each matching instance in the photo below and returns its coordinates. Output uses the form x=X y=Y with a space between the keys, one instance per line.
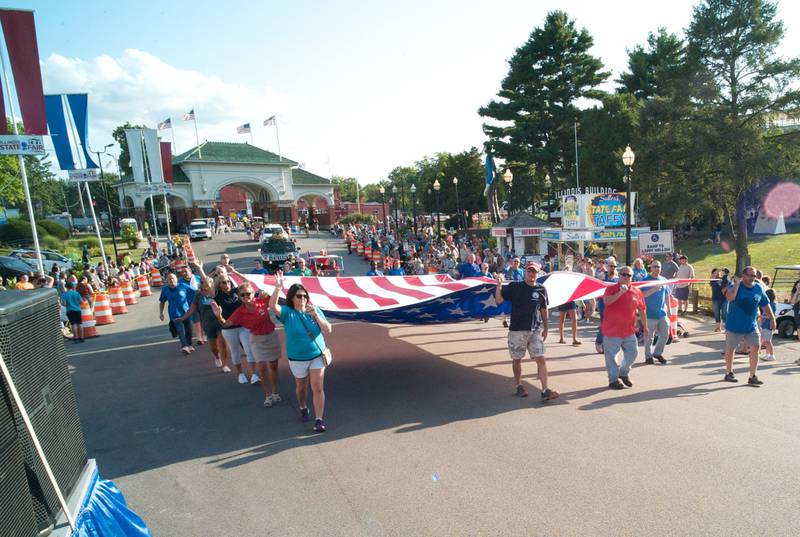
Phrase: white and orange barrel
x=178 y=265
x=128 y=293
x=368 y=252
x=102 y=309
x=117 y=301
x=155 y=278
x=144 y=287
x=87 y=321
x=376 y=255
x=673 y=317
x=360 y=248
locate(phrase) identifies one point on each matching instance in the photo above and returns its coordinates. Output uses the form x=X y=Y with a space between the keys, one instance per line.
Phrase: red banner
x=20 y=33
x=166 y=161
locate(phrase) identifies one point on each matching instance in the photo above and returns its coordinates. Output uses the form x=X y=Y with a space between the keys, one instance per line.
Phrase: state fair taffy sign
x=607 y=210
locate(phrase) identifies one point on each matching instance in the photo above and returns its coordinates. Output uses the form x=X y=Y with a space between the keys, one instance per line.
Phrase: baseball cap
x=533 y=265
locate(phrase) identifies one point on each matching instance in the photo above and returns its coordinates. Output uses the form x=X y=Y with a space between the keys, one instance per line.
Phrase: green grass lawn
x=766 y=251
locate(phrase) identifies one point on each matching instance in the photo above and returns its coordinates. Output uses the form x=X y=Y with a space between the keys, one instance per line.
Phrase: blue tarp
x=105 y=513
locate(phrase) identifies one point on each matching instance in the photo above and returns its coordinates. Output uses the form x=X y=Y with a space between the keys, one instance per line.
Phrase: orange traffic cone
x=102 y=309
x=368 y=252
x=117 y=301
x=128 y=293
x=155 y=278
x=144 y=287
x=87 y=321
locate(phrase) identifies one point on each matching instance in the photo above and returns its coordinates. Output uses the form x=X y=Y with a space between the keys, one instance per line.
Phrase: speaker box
x=33 y=348
x=16 y=509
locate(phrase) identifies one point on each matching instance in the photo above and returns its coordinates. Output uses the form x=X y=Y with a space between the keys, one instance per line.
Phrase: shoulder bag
x=326 y=355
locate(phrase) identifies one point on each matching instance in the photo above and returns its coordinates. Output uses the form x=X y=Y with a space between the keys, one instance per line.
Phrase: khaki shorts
x=266 y=348
x=525 y=340
x=732 y=339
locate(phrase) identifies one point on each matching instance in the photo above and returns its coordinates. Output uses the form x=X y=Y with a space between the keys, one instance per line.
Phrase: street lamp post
x=383 y=203
x=508 y=177
x=108 y=203
x=627 y=159
x=430 y=201
x=436 y=188
x=414 y=206
x=458 y=205
x=547 y=185
x=396 y=221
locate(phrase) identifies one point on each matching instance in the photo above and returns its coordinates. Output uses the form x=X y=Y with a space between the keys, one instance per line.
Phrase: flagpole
x=174 y=147
x=74 y=129
x=199 y=152
x=23 y=170
x=278 y=137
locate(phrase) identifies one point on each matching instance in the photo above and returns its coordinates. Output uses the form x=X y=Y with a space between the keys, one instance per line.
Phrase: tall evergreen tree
x=536 y=105
x=732 y=46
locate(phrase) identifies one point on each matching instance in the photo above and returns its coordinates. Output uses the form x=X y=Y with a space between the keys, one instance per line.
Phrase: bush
x=19 y=230
x=51 y=243
x=55 y=229
x=130 y=235
x=357 y=218
x=91 y=242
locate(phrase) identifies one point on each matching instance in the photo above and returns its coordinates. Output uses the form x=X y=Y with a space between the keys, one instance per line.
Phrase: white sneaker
x=242 y=378
x=227 y=369
x=276 y=398
x=217 y=362
x=768 y=357
x=254 y=378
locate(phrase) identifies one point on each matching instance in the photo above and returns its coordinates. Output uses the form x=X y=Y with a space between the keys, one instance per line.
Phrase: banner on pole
x=89 y=175
x=21 y=144
x=655 y=242
x=134 y=139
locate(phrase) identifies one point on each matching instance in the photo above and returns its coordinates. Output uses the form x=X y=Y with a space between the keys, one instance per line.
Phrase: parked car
x=49 y=258
x=199 y=229
x=13 y=267
x=270 y=230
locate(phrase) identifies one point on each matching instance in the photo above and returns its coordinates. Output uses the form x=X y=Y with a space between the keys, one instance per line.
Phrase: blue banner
x=54 y=108
x=79 y=104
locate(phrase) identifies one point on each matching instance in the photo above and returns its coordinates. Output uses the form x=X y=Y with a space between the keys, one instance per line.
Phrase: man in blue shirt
x=470 y=268
x=373 y=269
x=396 y=269
x=513 y=274
x=178 y=296
x=259 y=268
x=745 y=297
x=656 y=298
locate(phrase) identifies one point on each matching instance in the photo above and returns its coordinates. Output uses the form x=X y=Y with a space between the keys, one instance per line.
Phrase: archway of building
x=314 y=209
x=179 y=213
x=235 y=196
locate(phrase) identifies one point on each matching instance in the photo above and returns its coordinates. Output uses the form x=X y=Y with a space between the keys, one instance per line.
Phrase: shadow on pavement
x=149 y=407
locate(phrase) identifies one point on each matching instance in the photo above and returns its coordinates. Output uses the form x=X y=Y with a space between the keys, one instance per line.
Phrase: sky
x=358 y=87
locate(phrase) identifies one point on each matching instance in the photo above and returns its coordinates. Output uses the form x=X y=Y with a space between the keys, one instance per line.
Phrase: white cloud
x=141 y=88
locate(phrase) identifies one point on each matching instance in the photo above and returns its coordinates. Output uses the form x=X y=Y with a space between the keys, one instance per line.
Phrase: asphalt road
x=426 y=438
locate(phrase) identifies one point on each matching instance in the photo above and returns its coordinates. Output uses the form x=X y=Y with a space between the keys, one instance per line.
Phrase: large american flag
x=433 y=298
x=243 y=129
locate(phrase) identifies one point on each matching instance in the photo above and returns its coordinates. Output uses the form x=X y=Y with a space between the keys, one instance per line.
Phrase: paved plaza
x=426 y=438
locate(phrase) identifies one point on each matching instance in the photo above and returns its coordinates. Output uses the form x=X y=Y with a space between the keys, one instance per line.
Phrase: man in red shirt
x=619 y=328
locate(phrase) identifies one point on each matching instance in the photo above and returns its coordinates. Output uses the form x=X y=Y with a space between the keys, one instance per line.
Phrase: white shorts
x=300 y=367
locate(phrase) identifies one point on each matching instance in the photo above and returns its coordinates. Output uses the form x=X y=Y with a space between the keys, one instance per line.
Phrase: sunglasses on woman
x=300 y=295
x=245 y=294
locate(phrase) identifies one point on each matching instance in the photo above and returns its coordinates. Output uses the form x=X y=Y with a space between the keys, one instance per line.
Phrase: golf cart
x=324 y=264
x=785 y=320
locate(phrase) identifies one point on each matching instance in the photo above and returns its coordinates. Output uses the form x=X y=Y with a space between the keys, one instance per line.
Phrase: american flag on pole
x=269 y=121
x=166 y=124
x=189 y=116
x=243 y=129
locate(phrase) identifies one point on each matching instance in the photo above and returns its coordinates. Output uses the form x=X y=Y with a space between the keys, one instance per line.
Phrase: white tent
x=769 y=226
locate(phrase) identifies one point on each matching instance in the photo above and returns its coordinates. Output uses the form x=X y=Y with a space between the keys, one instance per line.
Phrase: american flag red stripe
x=349 y=285
x=314 y=287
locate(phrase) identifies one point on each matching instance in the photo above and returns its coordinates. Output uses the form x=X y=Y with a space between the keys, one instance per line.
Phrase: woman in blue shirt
x=304 y=325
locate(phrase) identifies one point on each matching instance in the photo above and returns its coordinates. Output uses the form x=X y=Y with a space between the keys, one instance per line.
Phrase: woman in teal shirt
x=305 y=326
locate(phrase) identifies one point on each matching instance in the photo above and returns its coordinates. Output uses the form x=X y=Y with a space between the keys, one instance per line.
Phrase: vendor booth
x=520 y=234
